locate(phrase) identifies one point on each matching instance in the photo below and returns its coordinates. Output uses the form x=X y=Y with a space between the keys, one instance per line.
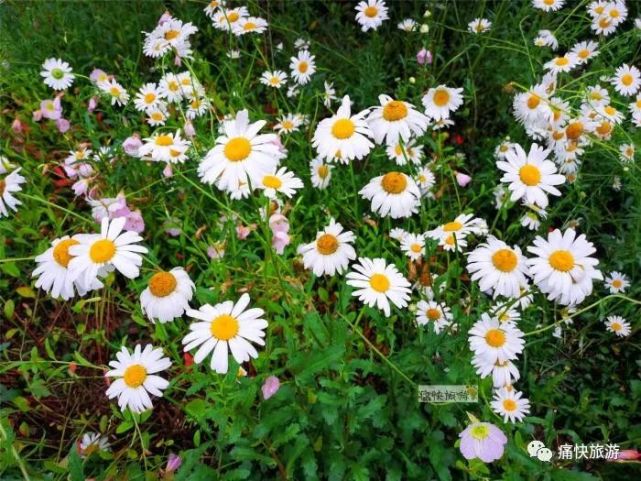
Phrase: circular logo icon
x=533 y=448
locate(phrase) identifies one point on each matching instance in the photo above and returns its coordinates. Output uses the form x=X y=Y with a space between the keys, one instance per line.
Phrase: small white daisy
x=618 y=325
x=413 y=245
x=441 y=101
x=393 y=194
x=510 y=403
x=479 y=25
x=431 y=312
x=9 y=185
x=302 y=67
x=617 y=282
x=494 y=341
x=273 y=78
x=331 y=252
x=321 y=173
x=626 y=80
x=91 y=443
x=279 y=181
x=370 y=14
x=395 y=120
x=57 y=74
x=167 y=295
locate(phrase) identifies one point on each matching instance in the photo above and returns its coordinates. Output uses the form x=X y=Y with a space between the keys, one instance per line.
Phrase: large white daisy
x=331 y=252
x=395 y=120
x=393 y=194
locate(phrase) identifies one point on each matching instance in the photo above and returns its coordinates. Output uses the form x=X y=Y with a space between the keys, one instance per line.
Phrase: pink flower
x=173 y=463
x=242 y=231
x=80 y=187
x=16 y=126
x=627 y=455
x=51 y=109
x=93 y=103
x=37 y=115
x=215 y=251
x=279 y=241
x=189 y=129
x=97 y=74
x=462 y=179
x=424 y=57
x=63 y=125
x=135 y=222
x=484 y=441
x=270 y=387
x=178 y=61
x=168 y=171
x=131 y=145
x=278 y=223
x=165 y=17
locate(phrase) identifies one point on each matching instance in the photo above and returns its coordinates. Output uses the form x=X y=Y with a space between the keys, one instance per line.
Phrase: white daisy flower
x=617 y=282
x=531 y=219
x=626 y=153
x=288 y=123
x=137 y=378
x=494 y=341
x=226 y=19
x=452 y=235
x=397 y=233
x=431 y=312
x=321 y=173
x=165 y=147
x=279 y=181
x=331 y=252
x=273 y=78
x=302 y=67
x=626 y=80
x=170 y=88
x=157 y=116
x=329 y=94
x=198 y=105
x=479 y=25
x=530 y=176
x=395 y=120
x=618 y=325
x=9 y=185
x=225 y=327
x=597 y=95
x=167 y=295
x=413 y=246
x=240 y=156
x=407 y=25
x=370 y=14
x=116 y=92
x=148 y=97
x=394 y=194
x=563 y=63
x=499 y=269
x=57 y=74
x=213 y=6
x=510 y=403
x=377 y=283
x=546 y=38
x=585 y=51
x=503 y=373
x=441 y=101
x=92 y=442
x=97 y=254
x=402 y=152
x=249 y=25
x=343 y=136
x=425 y=179
x=548 y=5
x=563 y=268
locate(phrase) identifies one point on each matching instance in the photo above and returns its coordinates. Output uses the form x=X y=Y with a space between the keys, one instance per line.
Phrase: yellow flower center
x=162 y=284
x=561 y=260
x=504 y=260
x=303 y=66
x=173 y=86
x=238 y=149
x=343 y=128
x=452 y=226
x=164 y=140
x=441 y=97
x=561 y=61
x=584 y=53
x=394 y=110
x=574 y=130
x=495 y=337
x=480 y=431
x=61 y=250
x=323 y=171
x=530 y=175
x=533 y=102
x=394 y=182
x=150 y=97
x=379 y=282
x=610 y=110
x=272 y=182
x=627 y=79
x=287 y=125
x=156 y=116
x=102 y=251
x=249 y=26
x=274 y=81
x=614 y=13
x=327 y=244
x=114 y=91
x=371 y=11
x=617 y=283
x=171 y=34
x=416 y=248
x=233 y=17
x=450 y=241
x=604 y=23
x=433 y=314
x=604 y=128
x=224 y=327
x=509 y=404
x=616 y=326
x=3 y=185
x=135 y=375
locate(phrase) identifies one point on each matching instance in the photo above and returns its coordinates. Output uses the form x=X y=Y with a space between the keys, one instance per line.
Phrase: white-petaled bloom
x=170 y=88
x=288 y=123
x=398 y=233
x=9 y=185
x=165 y=147
x=610 y=114
x=377 y=283
x=548 y=5
x=157 y=116
x=402 y=152
x=618 y=325
x=240 y=156
x=452 y=235
x=370 y=14
x=394 y=194
x=635 y=107
x=413 y=246
x=546 y=38
x=626 y=153
x=499 y=269
x=584 y=51
x=321 y=173
x=198 y=105
x=440 y=101
x=479 y=25
x=136 y=374
x=562 y=63
x=213 y=6
x=343 y=136
x=279 y=181
x=57 y=74
x=531 y=219
x=91 y=443
x=225 y=327
x=407 y=25
x=596 y=96
x=425 y=179
x=503 y=373
x=532 y=108
x=617 y=282
x=530 y=176
x=563 y=268
x=249 y=25
x=431 y=312
x=273 y=78
x=53 y=270
x=302 y=67
x=167 y=295
x=395 y=120
x=226 y=18
x=97 y=254
x=329 y=94
x=331 y=252
x=148 y=97
x=626 y=80
x=510 y=403
x=506 y=314
x=116 y=92
x=494 y=341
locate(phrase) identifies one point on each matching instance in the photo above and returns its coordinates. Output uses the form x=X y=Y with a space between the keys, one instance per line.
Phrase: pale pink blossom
x=462 y=179
x=63 y=125
x=131 y=145
x=270 y=387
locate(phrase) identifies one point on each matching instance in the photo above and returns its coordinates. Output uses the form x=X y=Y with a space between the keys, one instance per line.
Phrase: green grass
x=347 y=405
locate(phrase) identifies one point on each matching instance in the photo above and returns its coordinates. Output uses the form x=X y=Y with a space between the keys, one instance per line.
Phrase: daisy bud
x=131 y=145
x=135 y=222
x=63 y=125
x=412 y=80
x=189 y=130
x=279 y=241
x=93 y=103
x=37 y=115
x=424 y=57
x=16 y=126
x=270 y=387
x=173 y=463
x=425 y=28
x=178 y=61
x=168 y=171
x=427 y=14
